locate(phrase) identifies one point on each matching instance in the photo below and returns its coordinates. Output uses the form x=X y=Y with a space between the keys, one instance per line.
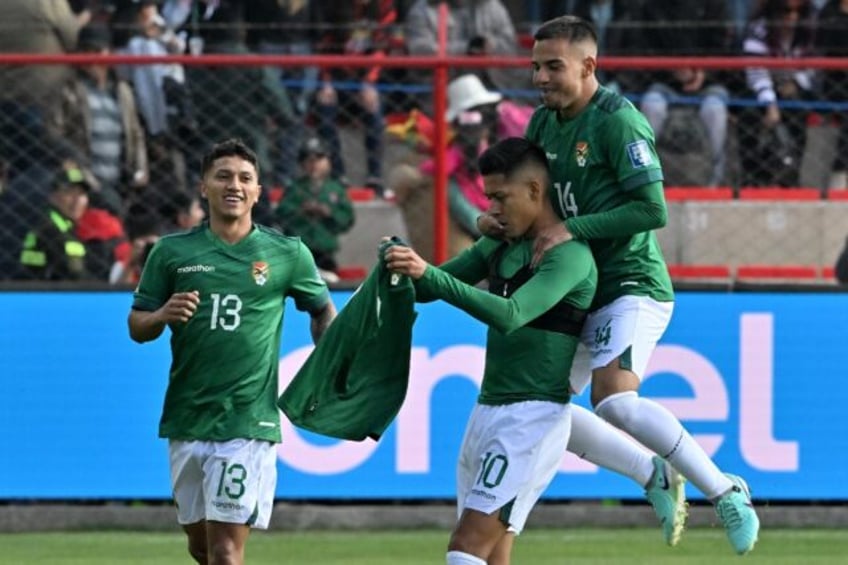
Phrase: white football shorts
x=510 y=454
x=628 y=327
x=231 y=482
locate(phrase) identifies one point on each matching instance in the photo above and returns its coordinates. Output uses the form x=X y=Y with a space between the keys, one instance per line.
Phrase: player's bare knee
x=196 y=534
x=225 y=550
x=610 y=381
x=198 y=553
x=465 y=544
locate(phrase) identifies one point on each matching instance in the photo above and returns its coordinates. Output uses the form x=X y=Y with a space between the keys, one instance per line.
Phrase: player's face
x=563 y=73
x=512 y=203
x=232 y=188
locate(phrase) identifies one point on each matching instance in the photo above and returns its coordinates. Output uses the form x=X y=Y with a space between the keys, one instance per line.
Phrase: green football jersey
x=595 y=159
x=225 y=359
x=523 y=361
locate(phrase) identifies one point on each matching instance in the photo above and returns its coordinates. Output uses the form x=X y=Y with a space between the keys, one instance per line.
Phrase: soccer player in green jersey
x=221 y=290
x=607 y=186
x=518 y=431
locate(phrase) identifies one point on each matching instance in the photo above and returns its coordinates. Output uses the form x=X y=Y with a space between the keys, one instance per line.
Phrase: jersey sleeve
x=470 y=267
x=632 y=149
x=307 y=287
x=645 y=211
x=156 y=285
x=562 y=269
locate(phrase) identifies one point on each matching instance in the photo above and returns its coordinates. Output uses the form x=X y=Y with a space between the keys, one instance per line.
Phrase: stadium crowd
x=97 y=160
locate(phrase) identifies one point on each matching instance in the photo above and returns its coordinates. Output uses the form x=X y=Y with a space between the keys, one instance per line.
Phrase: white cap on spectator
x=467 y=92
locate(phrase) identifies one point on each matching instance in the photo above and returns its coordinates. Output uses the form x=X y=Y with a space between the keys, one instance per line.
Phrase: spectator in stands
x=26 y=196
x=182 y=212
x=542 y=10
x=277 y=27
x=475 y=27
x=316 y=207
x=287 y=28
x=687 y=28
x=51 y=250
x=161 y=93
x=144 y=228
x=772 y=136
x=478 y=117
x=28 y=92
x=832 y=41
x=740 y=12
x=106 y=243
x=242 y=101
x=98 y=114
x=358 y=27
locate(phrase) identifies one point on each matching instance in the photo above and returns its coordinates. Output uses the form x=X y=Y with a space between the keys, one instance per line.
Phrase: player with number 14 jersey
x=595 y=158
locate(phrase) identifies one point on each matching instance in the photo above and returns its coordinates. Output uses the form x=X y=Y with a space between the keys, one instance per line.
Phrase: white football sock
x=598 y=442
x=460 y=558
x=659 y=430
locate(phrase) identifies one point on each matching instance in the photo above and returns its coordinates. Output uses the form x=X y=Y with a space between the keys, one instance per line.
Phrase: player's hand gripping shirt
x=597 y=159
x=223 y=377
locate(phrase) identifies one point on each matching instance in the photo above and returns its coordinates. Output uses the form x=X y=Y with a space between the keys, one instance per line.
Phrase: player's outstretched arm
x=554 y=279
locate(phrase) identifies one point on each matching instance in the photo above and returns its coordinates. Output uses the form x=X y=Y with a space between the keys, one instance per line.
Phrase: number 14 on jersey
x=567 y=204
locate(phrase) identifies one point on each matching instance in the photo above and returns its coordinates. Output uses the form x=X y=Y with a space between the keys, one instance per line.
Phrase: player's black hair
x=569 y=28
x=510 y=154
x=229 y=148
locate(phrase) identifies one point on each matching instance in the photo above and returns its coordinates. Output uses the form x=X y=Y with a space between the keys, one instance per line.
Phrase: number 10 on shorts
x=492 y=470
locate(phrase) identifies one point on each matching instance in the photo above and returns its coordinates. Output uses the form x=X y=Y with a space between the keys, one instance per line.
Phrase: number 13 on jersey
x=567 y=204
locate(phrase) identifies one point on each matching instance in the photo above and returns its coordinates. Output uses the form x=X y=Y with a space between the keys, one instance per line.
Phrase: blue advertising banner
x=759 y=379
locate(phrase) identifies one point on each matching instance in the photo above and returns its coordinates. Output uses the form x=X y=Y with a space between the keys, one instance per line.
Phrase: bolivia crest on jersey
x=581 y=152
x=261 y=272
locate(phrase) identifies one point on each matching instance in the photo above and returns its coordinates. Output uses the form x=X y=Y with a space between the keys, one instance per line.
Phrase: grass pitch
x=534 y=547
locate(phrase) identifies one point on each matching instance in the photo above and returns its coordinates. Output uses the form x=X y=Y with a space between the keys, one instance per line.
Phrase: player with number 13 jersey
x=242 y=290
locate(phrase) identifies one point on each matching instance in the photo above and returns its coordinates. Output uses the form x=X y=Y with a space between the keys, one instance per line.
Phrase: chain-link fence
x=135 y=134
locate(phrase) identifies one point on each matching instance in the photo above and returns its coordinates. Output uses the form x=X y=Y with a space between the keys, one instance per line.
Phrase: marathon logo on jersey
x=196 y=269
x=261 y=272
x=581 y=151
x=640 y=154
x=551 y=156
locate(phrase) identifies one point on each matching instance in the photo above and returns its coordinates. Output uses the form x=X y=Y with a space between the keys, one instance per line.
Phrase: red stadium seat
x=678 y=193
x=839 y=195
x=525 y=40
x=361 y=194
x=781 y=272
x=275 y=194
x=352 y=272
x=694 y=271
x=779 y=193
